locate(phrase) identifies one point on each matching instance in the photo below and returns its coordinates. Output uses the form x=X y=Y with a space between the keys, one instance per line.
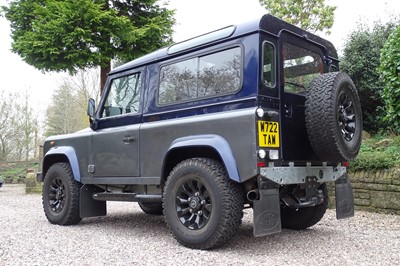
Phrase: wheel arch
x=209 y=146
x=62 y=154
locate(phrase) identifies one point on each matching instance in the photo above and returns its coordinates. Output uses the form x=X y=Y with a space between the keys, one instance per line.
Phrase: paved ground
x=127 y=236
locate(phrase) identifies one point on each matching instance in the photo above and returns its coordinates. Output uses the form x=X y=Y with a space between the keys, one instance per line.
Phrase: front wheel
x=202 y=206
x=61 y=195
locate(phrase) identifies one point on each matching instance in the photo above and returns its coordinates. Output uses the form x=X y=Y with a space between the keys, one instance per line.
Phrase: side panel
x=73 y=146
x=230 y=116
x=236 y=127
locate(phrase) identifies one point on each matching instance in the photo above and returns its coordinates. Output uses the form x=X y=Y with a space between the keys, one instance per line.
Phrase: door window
x=268 y=65
x=123 y=96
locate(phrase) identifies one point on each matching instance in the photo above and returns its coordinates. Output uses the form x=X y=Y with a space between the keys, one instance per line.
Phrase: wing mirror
x=91 y=108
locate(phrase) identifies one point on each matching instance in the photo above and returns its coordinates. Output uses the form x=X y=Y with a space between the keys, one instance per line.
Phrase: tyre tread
x=72 y=215
x=321 y=121
x=232 y=202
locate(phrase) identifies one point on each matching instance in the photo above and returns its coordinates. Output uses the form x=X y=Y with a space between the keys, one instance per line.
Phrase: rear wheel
x=202 y=206
x=151 y=207
x=305 y=217
x=61 y=195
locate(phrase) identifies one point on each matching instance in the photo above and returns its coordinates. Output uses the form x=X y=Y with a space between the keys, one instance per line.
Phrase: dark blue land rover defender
x=249 y=116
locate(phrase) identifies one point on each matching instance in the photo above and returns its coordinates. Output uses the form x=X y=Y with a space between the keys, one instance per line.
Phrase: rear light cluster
x=272 y=154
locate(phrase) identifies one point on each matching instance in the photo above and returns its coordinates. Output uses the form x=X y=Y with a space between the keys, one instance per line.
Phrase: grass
x=16 y=170
x=377 y=153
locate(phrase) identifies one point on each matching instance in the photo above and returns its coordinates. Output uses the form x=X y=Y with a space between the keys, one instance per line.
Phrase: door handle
x=128 y=139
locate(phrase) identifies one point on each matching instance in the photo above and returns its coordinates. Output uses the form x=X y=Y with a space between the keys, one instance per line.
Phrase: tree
x=58 y=35
x=67 y=111
x=361 y=58
x=390 y=74
x=18 y=127
x=311 y=15
x=6 y=119
x=27 y=125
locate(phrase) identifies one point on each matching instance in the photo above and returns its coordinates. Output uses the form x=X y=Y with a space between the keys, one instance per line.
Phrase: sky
x=193 y=18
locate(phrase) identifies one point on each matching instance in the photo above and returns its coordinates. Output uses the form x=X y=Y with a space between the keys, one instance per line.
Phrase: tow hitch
x=314 y=196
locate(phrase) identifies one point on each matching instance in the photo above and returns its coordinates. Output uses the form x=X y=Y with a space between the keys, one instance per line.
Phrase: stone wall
x=32 y=186
x=375 y=191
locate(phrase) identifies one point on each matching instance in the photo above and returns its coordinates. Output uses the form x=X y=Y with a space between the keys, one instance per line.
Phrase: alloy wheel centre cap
x=58 y=194
x=194 y=203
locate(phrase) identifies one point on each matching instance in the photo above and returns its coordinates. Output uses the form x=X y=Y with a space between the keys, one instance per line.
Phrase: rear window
x=300 y=67
x=201 y=77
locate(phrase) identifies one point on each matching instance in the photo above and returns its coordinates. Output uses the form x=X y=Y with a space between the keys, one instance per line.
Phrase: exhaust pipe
x=253 y=195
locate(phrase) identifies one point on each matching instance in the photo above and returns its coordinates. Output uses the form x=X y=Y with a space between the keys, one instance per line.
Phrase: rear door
x=301 y=61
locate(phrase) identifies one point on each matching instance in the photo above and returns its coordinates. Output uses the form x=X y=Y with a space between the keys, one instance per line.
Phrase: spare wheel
x=333 y=117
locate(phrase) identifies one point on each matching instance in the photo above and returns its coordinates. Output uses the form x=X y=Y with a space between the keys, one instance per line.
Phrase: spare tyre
x=333 y=117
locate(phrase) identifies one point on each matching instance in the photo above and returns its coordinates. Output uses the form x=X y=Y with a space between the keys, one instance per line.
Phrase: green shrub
x=390 y=74
x=378 y=153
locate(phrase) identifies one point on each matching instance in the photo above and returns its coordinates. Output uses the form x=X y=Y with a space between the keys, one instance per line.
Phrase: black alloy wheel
x=346 y=116
x=202 y=206
x=193 y=204
x=61 y=195
x=56 y=195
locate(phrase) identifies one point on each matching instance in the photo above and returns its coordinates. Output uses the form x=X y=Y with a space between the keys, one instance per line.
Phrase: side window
x=123 y=96
x=300 y=67
x=200 y=77
x=268 y=65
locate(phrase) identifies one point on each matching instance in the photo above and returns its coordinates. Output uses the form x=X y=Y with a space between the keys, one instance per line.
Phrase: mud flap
x=88 y=206
x=267 y=213
x=344 y=198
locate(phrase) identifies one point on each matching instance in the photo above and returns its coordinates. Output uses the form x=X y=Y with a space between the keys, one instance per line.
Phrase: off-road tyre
x=304 y=218
x=60 y=197
x=333 y=117
x=154 y=208
x=202 y=185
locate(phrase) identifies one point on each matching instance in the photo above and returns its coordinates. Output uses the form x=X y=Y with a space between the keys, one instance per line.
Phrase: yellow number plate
x=268 y=134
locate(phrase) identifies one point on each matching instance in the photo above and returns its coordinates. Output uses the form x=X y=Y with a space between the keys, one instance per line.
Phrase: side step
x=109 y=196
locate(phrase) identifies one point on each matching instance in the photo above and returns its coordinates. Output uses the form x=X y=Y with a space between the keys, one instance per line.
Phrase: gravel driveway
x=127 y=236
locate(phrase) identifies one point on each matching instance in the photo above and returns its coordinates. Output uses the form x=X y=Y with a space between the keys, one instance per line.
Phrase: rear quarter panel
x=236 y=127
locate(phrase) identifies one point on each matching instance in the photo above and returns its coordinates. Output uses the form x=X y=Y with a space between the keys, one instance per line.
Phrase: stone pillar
x=32 y=186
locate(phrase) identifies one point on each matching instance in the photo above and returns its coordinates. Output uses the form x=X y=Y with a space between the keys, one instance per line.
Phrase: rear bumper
x=286 y=175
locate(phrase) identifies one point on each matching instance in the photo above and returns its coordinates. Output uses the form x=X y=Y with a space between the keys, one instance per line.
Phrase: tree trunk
x=103 y=76
x=3 y=155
